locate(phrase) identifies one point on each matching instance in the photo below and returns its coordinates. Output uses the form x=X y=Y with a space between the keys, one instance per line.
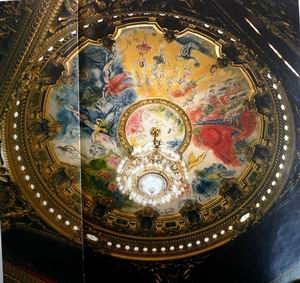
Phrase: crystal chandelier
x=152 y=175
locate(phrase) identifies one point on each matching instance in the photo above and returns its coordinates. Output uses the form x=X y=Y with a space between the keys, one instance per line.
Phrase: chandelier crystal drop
x=152 y=175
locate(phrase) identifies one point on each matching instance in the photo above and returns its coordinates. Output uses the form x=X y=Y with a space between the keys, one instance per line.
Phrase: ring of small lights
x=26 y=165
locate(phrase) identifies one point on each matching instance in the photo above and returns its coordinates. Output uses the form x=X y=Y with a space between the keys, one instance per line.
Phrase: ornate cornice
x=29 y=31
x=50 y=20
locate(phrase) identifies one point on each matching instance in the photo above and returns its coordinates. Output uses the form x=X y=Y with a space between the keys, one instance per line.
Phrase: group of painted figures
x=221 y=122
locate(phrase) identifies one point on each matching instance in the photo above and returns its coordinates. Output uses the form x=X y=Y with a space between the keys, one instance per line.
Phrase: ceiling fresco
x=141 y=67
x=146 y=136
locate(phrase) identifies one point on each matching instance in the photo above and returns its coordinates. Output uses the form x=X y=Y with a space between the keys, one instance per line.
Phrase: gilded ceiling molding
x=30 y=27
x=50 y=184
x=21 y=36
x=131 y=5
x=274 y=16
x=15 y=274
x=35 y=164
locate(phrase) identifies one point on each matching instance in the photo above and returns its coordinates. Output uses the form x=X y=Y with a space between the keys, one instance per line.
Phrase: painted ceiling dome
x=84 y=152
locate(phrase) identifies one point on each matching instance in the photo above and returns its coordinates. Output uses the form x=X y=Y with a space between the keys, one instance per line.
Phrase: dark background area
x=259 y=255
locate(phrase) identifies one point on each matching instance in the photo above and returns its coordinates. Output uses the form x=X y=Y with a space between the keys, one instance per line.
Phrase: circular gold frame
x=127 y=112
x=34 y=175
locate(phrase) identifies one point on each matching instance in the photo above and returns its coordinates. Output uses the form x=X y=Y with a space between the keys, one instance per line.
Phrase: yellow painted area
x=160 y=80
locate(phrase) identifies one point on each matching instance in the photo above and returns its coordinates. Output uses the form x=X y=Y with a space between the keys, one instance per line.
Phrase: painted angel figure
x=188 y=45
x=115 y=83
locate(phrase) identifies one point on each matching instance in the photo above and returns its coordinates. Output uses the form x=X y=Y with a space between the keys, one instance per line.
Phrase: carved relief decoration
x=230 y=189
